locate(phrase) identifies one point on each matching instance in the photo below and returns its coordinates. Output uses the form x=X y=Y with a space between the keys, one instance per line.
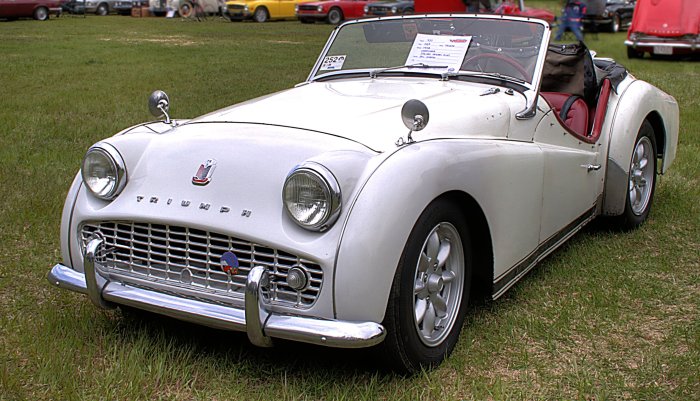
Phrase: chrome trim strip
x=334 y=333
x=502 y=283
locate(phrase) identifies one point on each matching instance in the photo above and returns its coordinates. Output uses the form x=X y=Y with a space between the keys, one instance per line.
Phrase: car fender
x=383 y=214
x=638 y=102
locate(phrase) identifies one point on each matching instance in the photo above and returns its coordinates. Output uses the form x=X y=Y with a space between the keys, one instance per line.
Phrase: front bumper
x=312 y=15
x=239 y=15
x=259 y=324
x=687 y=45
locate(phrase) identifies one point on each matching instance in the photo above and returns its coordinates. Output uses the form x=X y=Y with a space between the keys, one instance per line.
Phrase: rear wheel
x=41 y=14
x=430 y=292
x=335 y=16
x=261 y=14
x=642 y=180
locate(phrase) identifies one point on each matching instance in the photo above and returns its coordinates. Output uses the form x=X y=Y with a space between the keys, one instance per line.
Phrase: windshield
x=451 y=45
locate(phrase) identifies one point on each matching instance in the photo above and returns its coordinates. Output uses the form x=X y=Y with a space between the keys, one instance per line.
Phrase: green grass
x=608 y=316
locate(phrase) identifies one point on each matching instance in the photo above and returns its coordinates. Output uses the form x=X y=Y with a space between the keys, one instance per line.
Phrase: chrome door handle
x=591 y=167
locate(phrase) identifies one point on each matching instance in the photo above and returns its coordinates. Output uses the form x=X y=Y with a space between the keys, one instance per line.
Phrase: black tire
x=642 y=181
x=41 y=14
x=615 y=24
x=632 y=53
x=261 y=14
x=102 y=9
x=429 y=287
x=335 y=16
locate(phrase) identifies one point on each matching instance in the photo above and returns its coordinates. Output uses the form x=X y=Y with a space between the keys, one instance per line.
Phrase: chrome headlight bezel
x=117 y=170
x=328 y=185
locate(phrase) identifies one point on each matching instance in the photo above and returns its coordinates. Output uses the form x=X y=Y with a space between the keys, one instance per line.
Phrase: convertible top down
x=446 y=156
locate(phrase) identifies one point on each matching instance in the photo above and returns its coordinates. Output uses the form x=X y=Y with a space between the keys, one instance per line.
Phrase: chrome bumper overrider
x=260 y=325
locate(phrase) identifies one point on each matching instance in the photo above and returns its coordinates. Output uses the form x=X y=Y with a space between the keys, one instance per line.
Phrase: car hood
x=668 y=18
x=369 y=111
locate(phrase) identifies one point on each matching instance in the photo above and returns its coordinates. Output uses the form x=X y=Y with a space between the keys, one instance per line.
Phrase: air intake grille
x=190 y=259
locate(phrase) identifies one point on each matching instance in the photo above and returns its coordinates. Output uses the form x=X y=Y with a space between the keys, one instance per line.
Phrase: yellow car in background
x=262 y=10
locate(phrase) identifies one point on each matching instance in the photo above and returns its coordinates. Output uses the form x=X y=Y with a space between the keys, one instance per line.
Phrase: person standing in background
x=572 y=18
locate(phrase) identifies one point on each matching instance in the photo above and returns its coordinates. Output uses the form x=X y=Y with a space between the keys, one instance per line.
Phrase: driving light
x=394 y=10
x=319 y=8
x=311 y=196
x=297 y=278
x=366 y=9
x=104 y=171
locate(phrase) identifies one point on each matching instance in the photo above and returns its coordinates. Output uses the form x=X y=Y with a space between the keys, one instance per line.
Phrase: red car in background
x=331 y=11
x=664 y=27
x=37 y=9
x=511 y=8
x=507 y=7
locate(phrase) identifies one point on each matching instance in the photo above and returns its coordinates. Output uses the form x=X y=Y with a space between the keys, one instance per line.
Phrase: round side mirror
x=159 y=104
x=414 y=114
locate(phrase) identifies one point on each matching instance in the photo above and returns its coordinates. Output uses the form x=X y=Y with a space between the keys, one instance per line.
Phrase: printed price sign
x=439 y=50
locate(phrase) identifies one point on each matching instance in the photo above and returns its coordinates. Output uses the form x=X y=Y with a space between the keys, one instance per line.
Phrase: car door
x=572 y=176
x=10 y=8
x=287 y=8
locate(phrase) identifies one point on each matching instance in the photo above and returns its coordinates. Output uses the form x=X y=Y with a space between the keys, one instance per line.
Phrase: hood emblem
x=204 y=172
x=229 y=263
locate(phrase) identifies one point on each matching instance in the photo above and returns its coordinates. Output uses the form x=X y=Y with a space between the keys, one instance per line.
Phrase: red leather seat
x=576 y=118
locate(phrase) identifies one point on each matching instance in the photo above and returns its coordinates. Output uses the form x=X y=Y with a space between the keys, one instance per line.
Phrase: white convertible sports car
x=425 y=159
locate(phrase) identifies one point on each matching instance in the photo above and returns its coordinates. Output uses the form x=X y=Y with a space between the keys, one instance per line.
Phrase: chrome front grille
x=188 y=261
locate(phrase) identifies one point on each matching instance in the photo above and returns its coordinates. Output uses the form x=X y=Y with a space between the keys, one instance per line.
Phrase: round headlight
x=319 y=8
x=366 y=9
x=104 y=171
x=394 y=10
x=311 y=196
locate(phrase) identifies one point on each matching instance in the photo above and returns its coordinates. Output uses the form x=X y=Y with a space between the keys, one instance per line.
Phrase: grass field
x=608 y=316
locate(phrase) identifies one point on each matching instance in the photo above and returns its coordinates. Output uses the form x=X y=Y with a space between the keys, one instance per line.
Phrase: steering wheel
x=501 y=57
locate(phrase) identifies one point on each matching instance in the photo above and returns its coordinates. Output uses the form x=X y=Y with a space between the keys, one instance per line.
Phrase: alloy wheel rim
x=438 y=284
x=641 y=176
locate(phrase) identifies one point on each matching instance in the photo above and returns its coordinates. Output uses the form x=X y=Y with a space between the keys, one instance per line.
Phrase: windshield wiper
x=374 y=73
x=493 y=75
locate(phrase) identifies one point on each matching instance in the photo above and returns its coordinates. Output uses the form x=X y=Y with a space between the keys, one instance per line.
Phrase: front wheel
x=430 y=292
x=615 y=24
x=186 y=10
x=102 y=9
x=334 y=16
x=642 y=180
x=260 y=14
x=633 y=53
